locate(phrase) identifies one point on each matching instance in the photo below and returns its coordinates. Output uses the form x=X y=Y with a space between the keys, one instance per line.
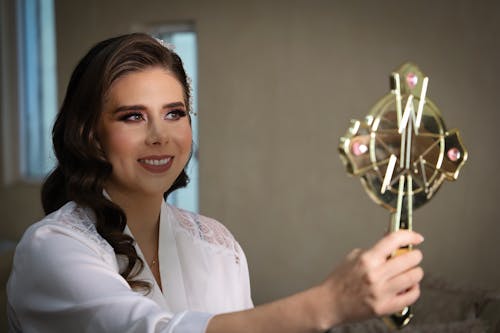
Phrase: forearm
x=307 y=311
x=364 y=285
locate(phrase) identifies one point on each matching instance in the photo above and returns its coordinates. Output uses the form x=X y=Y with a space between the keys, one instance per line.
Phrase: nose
x=157 y=133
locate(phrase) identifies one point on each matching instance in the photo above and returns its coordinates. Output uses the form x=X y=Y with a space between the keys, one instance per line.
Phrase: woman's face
x=145 y=132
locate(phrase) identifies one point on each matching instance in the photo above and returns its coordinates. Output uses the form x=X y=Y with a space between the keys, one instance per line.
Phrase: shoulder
x=73 y=224
x=57 y=252
x=204 y=228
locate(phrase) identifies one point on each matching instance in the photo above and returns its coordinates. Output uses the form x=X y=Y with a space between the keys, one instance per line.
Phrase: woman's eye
x=132 y=117
x=175 y=114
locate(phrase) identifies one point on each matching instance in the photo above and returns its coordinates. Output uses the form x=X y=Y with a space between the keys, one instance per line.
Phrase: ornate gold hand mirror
x=402 y=152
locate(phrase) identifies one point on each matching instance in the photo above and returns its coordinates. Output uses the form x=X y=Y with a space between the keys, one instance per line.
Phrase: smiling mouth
x=156 y=165
x=163 y=161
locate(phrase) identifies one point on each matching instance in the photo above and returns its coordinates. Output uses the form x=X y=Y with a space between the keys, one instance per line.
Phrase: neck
x=143 y=214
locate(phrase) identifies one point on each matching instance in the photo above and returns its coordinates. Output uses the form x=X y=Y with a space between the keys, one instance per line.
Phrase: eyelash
x=137 y=116
x=129 y=116
x=179 y=113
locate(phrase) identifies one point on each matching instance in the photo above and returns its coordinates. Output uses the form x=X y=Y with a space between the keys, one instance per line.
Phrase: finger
x=399 y=264
x=403 y=282
x=390 y=243
x=403 y=300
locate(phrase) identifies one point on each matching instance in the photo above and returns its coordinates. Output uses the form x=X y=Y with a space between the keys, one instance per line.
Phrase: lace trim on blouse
x=81 y=220
x=207 y=229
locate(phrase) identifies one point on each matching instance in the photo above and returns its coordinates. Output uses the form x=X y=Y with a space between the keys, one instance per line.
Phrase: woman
x=112 y=256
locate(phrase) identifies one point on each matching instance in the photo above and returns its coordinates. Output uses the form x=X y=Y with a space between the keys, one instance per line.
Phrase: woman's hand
x=365 y=284
x=372 y=283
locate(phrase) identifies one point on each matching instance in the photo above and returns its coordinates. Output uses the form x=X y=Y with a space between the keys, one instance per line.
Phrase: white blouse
x=65 y=277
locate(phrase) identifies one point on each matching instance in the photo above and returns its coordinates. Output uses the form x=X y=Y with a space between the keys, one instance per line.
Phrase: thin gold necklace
x=153 y=262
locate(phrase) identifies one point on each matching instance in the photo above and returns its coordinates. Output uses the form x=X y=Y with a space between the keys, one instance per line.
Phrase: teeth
x=156 y=162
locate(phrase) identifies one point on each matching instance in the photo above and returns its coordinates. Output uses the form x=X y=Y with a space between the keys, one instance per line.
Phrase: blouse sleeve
x=244 y=281
x=61 y=284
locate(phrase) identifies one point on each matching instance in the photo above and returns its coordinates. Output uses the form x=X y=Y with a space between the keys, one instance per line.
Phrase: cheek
x=118 y=145
x=184 y=138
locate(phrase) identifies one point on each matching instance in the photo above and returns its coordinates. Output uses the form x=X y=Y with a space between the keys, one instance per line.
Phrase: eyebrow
x=140 y=107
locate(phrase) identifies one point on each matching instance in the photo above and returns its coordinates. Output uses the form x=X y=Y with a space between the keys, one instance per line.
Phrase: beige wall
x=278 y=83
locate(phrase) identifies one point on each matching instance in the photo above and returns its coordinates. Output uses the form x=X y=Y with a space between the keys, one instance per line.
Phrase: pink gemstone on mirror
x=358 y=148
x=411 y=80
x=453 y=154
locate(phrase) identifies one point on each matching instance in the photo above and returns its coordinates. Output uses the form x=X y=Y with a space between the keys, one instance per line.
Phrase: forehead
x=139 y=86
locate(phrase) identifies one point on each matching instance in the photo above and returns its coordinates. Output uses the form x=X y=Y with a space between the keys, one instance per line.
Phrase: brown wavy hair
x=82 y=167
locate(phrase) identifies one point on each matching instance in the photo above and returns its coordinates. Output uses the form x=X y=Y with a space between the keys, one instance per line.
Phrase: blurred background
x=277 y=83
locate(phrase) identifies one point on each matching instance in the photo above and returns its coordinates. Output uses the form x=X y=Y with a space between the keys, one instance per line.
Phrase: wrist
x=325 y=312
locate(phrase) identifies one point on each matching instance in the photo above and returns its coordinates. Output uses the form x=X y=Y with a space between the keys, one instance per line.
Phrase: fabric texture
x=65 y=277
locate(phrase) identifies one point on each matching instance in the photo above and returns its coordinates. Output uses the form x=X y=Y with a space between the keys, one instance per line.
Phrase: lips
x=156 y=164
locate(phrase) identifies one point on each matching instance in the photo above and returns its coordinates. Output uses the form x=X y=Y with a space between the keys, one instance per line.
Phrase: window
x=183 y=39
x=37 y=96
